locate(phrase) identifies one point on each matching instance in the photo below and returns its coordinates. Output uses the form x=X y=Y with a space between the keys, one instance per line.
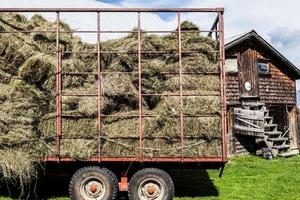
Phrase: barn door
x=248 y=77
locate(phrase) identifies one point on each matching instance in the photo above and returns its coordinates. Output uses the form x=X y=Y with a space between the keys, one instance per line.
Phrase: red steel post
x=223 y=89
x=58 y=88
x=99 y=85
x=140 y=86
x=180 y=84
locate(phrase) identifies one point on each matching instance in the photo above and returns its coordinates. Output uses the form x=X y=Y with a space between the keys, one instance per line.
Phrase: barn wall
x=274 y=88
x=232 y=90
x=277 y=90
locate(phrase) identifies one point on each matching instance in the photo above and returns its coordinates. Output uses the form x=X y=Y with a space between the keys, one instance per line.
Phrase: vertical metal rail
x=223 y=86
x=58 y=88
x=99 y=86
x=180 y=84
x=140 y=86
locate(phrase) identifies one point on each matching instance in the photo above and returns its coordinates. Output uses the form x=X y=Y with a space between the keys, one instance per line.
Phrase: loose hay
x=27 y=96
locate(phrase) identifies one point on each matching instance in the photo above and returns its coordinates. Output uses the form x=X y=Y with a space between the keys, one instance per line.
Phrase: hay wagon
x=176 y=121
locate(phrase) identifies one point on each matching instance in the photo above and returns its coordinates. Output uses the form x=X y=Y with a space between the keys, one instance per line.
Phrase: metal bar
x=214 y=26
x=79 y=73
x=175 y=116
x=140 y=86
x=128 y=137
x=223 y=86
x=171 y=73
x=120 y=31
x=135 y=159
x=78 y=95
x=58 y=88
x=181 y=94
x=142 y=52
x=111 y=9
x=99 y=85
x=180 y=84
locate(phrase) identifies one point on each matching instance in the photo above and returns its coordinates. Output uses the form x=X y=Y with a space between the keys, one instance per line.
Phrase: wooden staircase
x=253 y=119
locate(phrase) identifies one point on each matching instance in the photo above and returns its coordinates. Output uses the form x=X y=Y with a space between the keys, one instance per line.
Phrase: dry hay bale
x=37 y=69
x=161 y=147
x=5 y=78
x=23 y=106
x=192 y=105
x=74 y=65
x=196 y=83
x=47 y=41
x=81 y=149
x=13 y=53
x=89 y=59
x=205 y=127
x=119 y=147
x=16 y=166
x=193 y=63
x=118 y=126
x=118 y=84
x=82 y=127
x=203 y=148
x=13 y=21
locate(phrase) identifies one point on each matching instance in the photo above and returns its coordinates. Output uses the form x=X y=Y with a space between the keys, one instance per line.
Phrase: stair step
x=278 y=139
x=270 y=133
x=281 y=147
x=258 y=140
x=288 y=153
x=270 y=125
x=248 y=117
x=253 y=104
x=248 y=129
x=268 y=117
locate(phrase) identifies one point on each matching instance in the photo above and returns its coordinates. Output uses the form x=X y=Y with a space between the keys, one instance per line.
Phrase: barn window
x=263 y=67
x=231 y=65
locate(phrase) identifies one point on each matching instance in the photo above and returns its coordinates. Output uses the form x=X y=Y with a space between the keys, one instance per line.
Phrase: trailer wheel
x=93 y=183
x=151 y=184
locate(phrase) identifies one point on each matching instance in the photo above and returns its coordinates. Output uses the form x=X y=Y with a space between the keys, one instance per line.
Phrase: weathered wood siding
x=274 y=88
x=232 y=90
x=247 y=72
x=277 y=87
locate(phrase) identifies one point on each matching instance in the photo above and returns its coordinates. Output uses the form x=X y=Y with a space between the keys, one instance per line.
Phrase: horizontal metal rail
x=192 y=95
x=136 y=159
x=120 y=31
x=157 y=73
x=129 y=137
x=111 y=9
x=174 y=116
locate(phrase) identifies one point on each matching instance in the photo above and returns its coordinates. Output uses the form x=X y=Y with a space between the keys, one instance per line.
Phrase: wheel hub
x=92 y=188
x=150 y=190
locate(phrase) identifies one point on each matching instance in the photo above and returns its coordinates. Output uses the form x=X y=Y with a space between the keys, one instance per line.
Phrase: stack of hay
x=27 y=94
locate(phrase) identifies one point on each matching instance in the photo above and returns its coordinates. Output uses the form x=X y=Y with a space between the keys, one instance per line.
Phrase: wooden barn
x=261 y=98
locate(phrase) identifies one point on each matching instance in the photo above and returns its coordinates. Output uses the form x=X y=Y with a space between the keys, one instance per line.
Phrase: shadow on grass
x=188 y=183
x=193 y=183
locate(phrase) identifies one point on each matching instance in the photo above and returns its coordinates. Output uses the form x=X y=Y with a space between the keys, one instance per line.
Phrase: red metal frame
x=217 y=29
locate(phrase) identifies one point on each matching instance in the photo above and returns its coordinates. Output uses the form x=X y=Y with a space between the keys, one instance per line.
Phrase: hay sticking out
x=16 y=166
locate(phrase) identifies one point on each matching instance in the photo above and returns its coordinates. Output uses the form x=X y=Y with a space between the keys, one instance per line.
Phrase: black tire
x=159 y=177
x=91 y=174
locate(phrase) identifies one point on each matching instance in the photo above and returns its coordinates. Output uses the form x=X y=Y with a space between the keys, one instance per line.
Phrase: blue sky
x=275 y=20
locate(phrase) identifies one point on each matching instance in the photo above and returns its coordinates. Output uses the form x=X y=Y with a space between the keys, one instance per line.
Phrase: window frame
x=237 y=67
x=265 y=61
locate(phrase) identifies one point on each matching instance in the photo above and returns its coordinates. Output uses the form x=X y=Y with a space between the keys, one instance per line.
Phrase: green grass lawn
x=243 y=178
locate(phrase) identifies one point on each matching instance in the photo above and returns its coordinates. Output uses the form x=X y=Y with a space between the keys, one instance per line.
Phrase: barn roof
x=253 y=36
